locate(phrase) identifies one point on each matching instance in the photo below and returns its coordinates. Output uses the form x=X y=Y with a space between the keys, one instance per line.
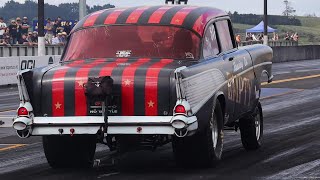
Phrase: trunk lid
x=142 y=87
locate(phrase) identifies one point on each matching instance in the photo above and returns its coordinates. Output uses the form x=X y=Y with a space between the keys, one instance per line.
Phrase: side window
x=210 y=46
x=224 y=35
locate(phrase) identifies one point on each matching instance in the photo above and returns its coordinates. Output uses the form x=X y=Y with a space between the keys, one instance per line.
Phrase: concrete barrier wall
x=295 y=53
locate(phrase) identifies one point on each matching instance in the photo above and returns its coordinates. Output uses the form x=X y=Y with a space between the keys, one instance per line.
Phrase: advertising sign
x=9 y=66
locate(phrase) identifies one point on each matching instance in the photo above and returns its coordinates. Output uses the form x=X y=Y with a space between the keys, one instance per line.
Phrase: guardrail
x=25 y=50
x=271 y=43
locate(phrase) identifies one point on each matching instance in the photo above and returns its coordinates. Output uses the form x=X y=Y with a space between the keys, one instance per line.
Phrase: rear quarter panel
x=262 y=60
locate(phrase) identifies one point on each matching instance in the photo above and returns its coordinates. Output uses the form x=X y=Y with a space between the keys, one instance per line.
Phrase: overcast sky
x=303 y=7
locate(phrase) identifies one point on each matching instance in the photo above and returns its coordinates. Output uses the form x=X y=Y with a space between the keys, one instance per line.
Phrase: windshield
x=133 y=41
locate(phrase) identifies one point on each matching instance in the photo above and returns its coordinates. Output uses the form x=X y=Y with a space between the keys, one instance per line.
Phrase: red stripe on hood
x=156 y=17
x=135 y=15
x=127 y=87
x=181 y=15
x=112 y=18
x=92 y=19
x=58 y=89
x=79 y=93
x=151 y=87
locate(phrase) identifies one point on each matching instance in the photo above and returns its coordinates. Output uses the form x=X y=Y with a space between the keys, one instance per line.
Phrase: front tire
x=203 y=148
x=251 y=129
x=69 y=152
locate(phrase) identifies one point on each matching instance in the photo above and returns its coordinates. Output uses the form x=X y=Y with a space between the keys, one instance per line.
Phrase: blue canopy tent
x=260 y=29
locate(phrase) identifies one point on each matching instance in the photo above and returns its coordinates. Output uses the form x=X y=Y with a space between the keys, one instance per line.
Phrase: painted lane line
x=291 y=79
x=282 y=94
x=12 y=147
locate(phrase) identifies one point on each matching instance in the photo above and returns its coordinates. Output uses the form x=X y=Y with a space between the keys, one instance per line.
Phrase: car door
x=213 y=52
x=242 y=86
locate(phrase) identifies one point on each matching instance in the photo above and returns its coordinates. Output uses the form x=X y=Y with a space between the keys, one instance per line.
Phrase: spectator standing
x=59 y=25
x=238 y=39
x=3 y=28
x=57 y=40
x=64 y=38
x=19 y=28
x=34 y=38
x=296 y=37
x=23 y=40
x=49 y=29
x=25 y=26
x=287 y=37
x=67 y=27
x=55 y=27
x=13 y=32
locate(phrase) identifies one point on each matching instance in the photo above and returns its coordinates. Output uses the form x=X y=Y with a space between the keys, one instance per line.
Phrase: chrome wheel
x=214 y=131
x=258 y=126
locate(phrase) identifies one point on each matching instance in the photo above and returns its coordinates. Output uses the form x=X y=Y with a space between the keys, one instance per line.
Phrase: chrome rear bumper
x=157 y=125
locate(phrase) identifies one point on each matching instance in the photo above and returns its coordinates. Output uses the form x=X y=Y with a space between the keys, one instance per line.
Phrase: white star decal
x=58 y=105
x=150 y=104
x=127 y=82
x=81 y=83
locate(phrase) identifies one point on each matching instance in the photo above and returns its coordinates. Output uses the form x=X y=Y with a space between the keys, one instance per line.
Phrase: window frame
x=217 y=38
x=213 y=21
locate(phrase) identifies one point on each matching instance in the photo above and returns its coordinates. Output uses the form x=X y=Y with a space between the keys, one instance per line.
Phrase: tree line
x=70 y=11
x=67 y=11
x=253 y=19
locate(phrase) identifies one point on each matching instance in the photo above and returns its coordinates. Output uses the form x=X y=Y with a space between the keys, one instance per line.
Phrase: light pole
x=82 y=9
x=41 y=39
x=265 y=34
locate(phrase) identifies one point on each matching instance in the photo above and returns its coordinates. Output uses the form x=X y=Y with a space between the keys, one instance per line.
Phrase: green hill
x=309 y=31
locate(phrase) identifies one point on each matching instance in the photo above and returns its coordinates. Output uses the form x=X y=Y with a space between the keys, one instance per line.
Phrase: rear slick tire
x=69 y=152
x=204 y=148
x=251 y=129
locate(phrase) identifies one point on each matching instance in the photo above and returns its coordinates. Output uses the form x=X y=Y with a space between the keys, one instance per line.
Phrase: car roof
x=190 y=17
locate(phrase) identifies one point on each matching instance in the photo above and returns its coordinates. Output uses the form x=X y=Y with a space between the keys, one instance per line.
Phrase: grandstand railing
x=25 y=50
x=271 y=43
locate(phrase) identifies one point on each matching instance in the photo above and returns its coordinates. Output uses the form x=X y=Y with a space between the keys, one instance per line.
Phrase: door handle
x=231 y=58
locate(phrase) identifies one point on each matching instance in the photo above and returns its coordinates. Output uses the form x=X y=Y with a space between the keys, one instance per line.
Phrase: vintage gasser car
x=174 y=73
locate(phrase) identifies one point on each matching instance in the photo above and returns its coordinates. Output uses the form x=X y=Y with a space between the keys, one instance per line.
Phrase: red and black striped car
x=175 y=75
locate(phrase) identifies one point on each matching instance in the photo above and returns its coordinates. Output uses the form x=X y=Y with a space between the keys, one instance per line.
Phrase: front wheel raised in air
x=67 y=151
x=251 y=128
x=203 y=148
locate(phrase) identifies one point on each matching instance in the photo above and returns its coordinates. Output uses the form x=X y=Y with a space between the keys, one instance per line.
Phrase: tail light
x=22 y=111
x=180 y=109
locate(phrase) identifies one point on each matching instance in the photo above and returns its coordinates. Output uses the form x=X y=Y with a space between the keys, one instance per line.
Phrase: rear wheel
x=66 y=151
x=251 y=129
x=204 y=148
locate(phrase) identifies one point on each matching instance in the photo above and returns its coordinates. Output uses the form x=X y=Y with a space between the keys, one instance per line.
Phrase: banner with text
x=9 y=66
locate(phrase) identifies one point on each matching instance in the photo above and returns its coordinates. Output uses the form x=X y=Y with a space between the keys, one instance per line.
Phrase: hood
x=142 y=87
